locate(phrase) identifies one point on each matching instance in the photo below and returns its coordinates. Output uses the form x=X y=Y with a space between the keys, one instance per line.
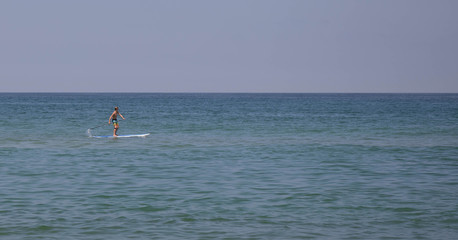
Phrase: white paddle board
x=123 y=136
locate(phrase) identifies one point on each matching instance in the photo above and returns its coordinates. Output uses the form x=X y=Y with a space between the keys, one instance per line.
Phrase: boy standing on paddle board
x=114 y=118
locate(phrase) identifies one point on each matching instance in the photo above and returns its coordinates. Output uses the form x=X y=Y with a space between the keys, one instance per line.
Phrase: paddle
x=89 y=129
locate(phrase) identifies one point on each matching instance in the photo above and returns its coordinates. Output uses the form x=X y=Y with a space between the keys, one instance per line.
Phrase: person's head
x=116 y=108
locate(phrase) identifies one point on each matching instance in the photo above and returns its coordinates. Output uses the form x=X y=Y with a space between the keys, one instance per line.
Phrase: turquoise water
x=229 y=166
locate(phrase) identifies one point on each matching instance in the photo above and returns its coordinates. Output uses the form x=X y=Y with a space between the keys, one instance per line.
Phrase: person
x=114 y=118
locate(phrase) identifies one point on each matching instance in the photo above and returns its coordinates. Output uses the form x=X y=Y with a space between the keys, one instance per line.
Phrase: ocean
x=229 y=166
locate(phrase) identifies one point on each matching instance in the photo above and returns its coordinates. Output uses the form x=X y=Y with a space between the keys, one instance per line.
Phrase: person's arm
x=109 y=120
x=121 y=116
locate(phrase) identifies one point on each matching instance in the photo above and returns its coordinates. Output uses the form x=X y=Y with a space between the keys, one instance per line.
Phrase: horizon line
x=217 y=92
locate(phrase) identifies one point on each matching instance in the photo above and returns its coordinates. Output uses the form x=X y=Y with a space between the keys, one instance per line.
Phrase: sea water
x=229 y=166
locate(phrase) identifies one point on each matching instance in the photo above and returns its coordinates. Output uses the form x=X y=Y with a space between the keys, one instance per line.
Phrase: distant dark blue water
x=229 y=166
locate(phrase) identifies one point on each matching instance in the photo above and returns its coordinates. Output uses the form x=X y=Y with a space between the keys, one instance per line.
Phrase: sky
x=348 y=46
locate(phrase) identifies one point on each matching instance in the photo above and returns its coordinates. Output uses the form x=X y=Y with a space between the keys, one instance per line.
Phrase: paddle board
x=123 y=136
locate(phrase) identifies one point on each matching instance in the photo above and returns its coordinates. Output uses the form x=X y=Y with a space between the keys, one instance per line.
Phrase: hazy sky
x=229 y=46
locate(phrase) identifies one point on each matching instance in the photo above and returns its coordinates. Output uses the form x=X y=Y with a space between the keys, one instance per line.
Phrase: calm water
x=230 y=166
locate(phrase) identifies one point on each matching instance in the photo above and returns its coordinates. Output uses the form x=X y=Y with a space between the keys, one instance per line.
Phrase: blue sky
x=229 y=46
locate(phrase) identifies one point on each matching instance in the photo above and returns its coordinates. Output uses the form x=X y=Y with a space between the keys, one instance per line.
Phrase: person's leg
x=116 y=130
